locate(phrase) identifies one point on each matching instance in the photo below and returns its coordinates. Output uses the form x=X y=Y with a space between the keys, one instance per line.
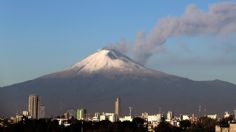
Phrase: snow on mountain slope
x=107 y=61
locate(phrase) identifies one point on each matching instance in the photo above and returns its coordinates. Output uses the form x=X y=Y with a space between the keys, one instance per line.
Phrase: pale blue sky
x=41 y=37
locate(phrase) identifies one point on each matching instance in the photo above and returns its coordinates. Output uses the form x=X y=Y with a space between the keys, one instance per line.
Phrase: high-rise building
x=81 y=114
x=169 y=116
x=117 y=107
x=33 y=107
x=66 y=115
x=235 y=115
x=41 y=111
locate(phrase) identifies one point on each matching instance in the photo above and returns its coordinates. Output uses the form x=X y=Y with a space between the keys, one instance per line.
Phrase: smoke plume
x=121 y=46
x=218 y=20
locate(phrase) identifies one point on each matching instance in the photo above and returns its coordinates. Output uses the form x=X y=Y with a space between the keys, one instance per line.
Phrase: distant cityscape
x=36 y=111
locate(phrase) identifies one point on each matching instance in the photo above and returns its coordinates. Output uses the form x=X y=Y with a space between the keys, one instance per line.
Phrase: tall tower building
x=41 y=111
x=33 y=107
x=235 y=115
x=81 y=114
x=117 y=107
x=169 y=116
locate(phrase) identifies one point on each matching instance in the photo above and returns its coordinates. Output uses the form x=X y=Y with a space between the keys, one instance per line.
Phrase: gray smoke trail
x=220 y=19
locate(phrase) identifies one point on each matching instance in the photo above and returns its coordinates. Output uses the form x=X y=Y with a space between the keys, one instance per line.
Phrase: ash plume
x=121 y=46
x=218 y=20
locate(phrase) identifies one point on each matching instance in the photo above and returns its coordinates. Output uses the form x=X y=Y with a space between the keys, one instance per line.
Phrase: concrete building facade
x=33 y=106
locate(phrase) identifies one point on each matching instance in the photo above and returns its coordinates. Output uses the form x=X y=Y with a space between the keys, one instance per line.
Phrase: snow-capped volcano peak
x=107 y=62
x=107 y=59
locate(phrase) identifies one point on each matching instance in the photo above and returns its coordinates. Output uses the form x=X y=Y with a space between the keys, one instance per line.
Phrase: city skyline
x=67 y=36
x=81 y=113
x=143 y=121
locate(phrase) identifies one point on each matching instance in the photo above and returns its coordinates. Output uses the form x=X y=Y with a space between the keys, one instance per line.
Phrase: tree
x=138 y=121
x=139 y=124
x=208 y=123
x=185 y=124
x=166 y=127
x=204 y=124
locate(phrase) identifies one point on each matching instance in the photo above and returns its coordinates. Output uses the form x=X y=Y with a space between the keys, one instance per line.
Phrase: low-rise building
x=212 y=116
x=185 y=117
x=108 y=116
x=230 y=128
x=126 y=118
x=63 y=121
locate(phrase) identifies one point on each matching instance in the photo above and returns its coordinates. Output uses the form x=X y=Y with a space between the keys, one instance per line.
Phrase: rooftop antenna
x=205 y=111
x=199 y=110
x=130 y=110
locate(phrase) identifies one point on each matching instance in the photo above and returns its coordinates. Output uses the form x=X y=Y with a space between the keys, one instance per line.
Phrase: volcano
x=97 y=80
